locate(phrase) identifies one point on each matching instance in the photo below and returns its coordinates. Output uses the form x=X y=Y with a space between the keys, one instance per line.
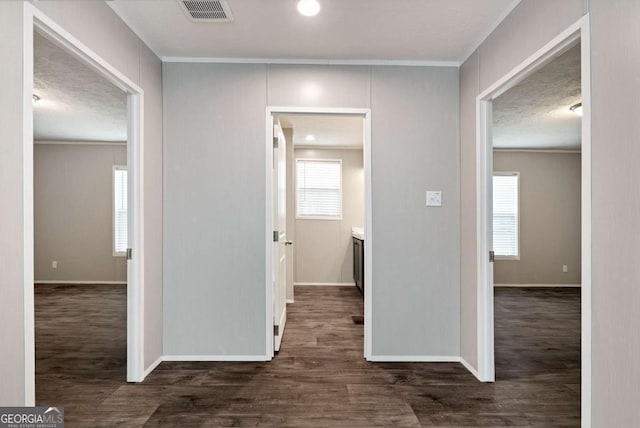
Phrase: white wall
x=73 y=212
x=214 y=204
x=95 y=25
x=323 y=248
x=550 y=223
x=615 y=64
x=215 y=201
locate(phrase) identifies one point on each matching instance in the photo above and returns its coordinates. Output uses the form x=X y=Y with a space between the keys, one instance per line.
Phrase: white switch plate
x=434 y=198
x=54 y=264
x=565 y=268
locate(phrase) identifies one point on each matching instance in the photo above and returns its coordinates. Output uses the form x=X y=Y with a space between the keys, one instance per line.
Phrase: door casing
x=269 y=186
x=35 y=20
x=580 y=30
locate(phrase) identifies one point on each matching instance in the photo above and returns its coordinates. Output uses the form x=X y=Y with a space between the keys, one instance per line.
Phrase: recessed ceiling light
x=310 y=137
x=35 y=98
x=308 y=7
x=577 y=109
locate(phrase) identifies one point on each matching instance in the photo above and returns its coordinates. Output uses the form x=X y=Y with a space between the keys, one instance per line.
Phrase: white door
x=280 y=231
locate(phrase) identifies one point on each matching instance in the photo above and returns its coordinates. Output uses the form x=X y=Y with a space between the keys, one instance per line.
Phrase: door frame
x=485 y=299
x=366 y=114
x=35 y=20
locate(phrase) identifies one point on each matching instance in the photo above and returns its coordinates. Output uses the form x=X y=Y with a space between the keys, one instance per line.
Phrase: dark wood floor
x=319 y=378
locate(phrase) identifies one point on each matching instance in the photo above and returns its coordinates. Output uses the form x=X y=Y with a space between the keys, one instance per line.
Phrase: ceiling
x=76 y=104
x=330 y=131
x=535 y=113
x=383 y=30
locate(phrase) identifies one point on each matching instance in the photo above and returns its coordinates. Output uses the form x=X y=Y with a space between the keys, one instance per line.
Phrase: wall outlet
x=434 y=199
x=565 y=268
x=54 y=264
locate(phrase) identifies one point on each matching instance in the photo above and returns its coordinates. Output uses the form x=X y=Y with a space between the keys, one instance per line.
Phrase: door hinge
x=275 y=142
x=129 y=254
x=492 y=257
x=276 y=236
x=276 y=330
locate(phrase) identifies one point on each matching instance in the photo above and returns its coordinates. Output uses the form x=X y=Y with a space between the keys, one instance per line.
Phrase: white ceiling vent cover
x=207 y=10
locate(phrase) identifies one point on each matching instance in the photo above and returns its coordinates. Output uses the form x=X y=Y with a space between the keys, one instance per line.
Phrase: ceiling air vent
x=207 y=10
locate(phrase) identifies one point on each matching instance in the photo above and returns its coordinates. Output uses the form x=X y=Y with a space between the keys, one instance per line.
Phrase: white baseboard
x=215 y=358
x=152 y=367
x=326 y=284
x=414 y=358
x=36 y=282
x=290 y=301
x=470 y=368
x=536 y=285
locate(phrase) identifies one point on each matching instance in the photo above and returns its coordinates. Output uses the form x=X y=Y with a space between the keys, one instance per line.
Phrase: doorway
x=576 y=34
x=536 y=157
x=36 y=21
x=309 y=158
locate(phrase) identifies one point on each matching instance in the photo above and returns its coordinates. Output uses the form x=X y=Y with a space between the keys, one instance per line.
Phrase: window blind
x=505 y=214
x=120 y=204
x=318 y=188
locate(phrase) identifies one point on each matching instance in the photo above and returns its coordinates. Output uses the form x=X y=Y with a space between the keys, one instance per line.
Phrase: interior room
x=194 y=336
x=80 y=223
x=325 y=220
x=537 y=225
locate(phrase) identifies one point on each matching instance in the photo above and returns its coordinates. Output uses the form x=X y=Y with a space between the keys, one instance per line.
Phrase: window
x=506 y=212
x=120 y=239
x=319 y=189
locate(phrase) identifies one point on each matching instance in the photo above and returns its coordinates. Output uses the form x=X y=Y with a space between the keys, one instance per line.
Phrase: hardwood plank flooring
x=319 y=378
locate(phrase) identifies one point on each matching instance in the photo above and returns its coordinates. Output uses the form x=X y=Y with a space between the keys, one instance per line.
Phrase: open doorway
x=573 y=41
x=318 y=254
x=537 y=226
x=37 y=25
x=80 y=223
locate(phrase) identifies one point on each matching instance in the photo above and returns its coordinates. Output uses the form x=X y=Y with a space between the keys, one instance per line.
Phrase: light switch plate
x=434 y=198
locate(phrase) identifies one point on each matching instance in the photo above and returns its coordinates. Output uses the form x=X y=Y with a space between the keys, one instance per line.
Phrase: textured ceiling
x=328 y=130
x=535 y=113
x=412 y=30
x=76 y=104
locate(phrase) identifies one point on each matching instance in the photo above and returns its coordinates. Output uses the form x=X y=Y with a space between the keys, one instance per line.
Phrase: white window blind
x=120 y=204
x=318 y=188
x=505 y=214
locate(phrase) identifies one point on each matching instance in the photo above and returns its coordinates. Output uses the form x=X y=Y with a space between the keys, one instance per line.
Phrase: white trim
x=299 y=61
x=75 y=282
x=217 y=357
x=324 y=284
x=79 y=143
x=36 y=19
x=415 y=358
x=578 y=31
x=275 y=110
x=367 y=286
x=586 y=302
x=553 y=151
x=152 y=367
x=290 y=301
x=491 y=29
x=269 y=274
x=538 y=285
x=28 y=210
x=470 y=368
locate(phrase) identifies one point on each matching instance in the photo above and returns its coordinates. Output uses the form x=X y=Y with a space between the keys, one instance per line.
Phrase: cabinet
x=358 y=264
